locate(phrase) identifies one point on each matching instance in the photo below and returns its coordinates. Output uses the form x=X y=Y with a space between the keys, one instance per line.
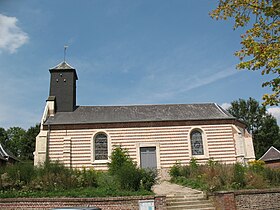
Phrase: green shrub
x=175 y=170
x=119 y=157
x=273 y=176
x=86 y=178
x=107 y=182
x=54 y=176
x=257 y=166
x=19 y=174
x=148 y=178
x=255 y=180
x=125 y=170
x=127 y=174
x=238 y=176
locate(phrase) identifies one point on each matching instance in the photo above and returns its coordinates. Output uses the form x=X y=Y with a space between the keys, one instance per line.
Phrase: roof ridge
x=58 y=66
x=129 y=105
x=270 y=148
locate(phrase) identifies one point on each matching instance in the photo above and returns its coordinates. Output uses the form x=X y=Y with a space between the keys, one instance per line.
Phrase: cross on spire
x=65 y=48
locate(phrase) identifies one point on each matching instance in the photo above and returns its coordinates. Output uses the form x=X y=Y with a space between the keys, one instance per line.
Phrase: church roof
x=139 y=113
x=6 y=154
x=63 y=65
x=271 y=154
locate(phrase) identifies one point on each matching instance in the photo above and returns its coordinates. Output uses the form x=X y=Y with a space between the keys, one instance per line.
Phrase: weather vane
x=65 y=48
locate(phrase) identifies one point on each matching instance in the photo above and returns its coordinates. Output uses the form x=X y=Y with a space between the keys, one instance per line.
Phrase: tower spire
x=65 y=48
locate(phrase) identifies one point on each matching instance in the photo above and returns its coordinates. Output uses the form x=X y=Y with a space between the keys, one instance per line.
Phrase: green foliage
x=149 y=178
x=257 y=165
x=86 y=178
x=260 y=44
x=53 y=179
x=17 y=175
x=15 y=140
x=119 y=157
x=175 y=170
x=214 y=176
x=259 y=123
x=126 y=172
x=28 y=142
x=3 y=136
x=238 y=176
x=19 y=142
x=249 y=111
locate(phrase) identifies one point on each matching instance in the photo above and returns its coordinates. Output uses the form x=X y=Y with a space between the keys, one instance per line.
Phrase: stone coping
x=71 y=199
x=247 y=191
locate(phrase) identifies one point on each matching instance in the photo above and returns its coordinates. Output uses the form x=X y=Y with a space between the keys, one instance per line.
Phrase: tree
x=266 y=136
x=261 y=42
x=15 y=138
x=259 y=123
x=28 y=142
x=250 y=112
x=3 y=136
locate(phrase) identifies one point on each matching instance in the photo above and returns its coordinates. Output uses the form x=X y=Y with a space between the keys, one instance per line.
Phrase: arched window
x=101 y=147
x=197 y=143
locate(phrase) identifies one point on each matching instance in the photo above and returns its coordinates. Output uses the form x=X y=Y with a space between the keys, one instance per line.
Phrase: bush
x=175 y=170
x=214 y=176
x=119 y=157
x=86 y=178
x=149 y=178
x=17 y=175
x=238 y=176
x=127 y=174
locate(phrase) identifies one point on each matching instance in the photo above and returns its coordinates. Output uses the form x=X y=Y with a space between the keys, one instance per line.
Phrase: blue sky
x=125 y=52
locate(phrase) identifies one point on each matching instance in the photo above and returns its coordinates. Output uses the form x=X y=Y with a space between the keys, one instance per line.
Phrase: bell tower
x=63 y=87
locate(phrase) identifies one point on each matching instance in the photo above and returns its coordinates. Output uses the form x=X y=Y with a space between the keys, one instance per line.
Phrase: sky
x=125 y=52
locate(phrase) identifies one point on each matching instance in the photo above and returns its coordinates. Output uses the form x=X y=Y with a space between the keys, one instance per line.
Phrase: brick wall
x=111 y=203
x=268 y=199
x=273 y=164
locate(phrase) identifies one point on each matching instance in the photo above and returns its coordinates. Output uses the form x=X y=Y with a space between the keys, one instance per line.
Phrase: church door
x=148 y=157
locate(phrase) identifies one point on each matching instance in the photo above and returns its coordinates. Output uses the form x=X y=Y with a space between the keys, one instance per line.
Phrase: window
x=197 y=143
x=101 y=147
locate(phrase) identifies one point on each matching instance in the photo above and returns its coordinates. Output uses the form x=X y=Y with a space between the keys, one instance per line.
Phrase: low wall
x=110 y=203
x=247 y=199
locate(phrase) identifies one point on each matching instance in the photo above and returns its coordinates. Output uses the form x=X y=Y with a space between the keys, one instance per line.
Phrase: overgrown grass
x=215 y=176
x=54 y=180
x=76 y=193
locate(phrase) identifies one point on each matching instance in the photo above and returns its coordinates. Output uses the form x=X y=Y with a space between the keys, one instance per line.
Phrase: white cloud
x=225 y=106
x=11 y=36
x=275 y=111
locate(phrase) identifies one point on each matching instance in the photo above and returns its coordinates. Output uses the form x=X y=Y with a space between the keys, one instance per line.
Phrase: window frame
x=93 y=160
x=204 y=144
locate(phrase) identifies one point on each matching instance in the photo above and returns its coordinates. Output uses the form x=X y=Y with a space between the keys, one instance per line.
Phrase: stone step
x=186 y=208
x=185 y=194
x=194 y=201
x=188 y=202
x=186 y=197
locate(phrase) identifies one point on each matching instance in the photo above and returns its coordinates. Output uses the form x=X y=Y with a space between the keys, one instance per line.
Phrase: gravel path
x=167 y=188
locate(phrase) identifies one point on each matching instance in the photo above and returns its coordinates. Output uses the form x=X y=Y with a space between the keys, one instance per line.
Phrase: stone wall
x=268 y=199
x=110 y=203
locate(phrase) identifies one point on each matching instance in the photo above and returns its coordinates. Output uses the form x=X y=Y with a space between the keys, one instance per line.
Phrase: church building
x=155 y=136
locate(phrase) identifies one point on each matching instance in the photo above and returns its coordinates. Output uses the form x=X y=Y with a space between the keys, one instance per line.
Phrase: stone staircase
x=193 y=201
x=182 y=198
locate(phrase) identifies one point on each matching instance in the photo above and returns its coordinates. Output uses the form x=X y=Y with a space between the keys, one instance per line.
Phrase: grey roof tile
x=139 y=113
x=63 y=65
x=271 y=154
